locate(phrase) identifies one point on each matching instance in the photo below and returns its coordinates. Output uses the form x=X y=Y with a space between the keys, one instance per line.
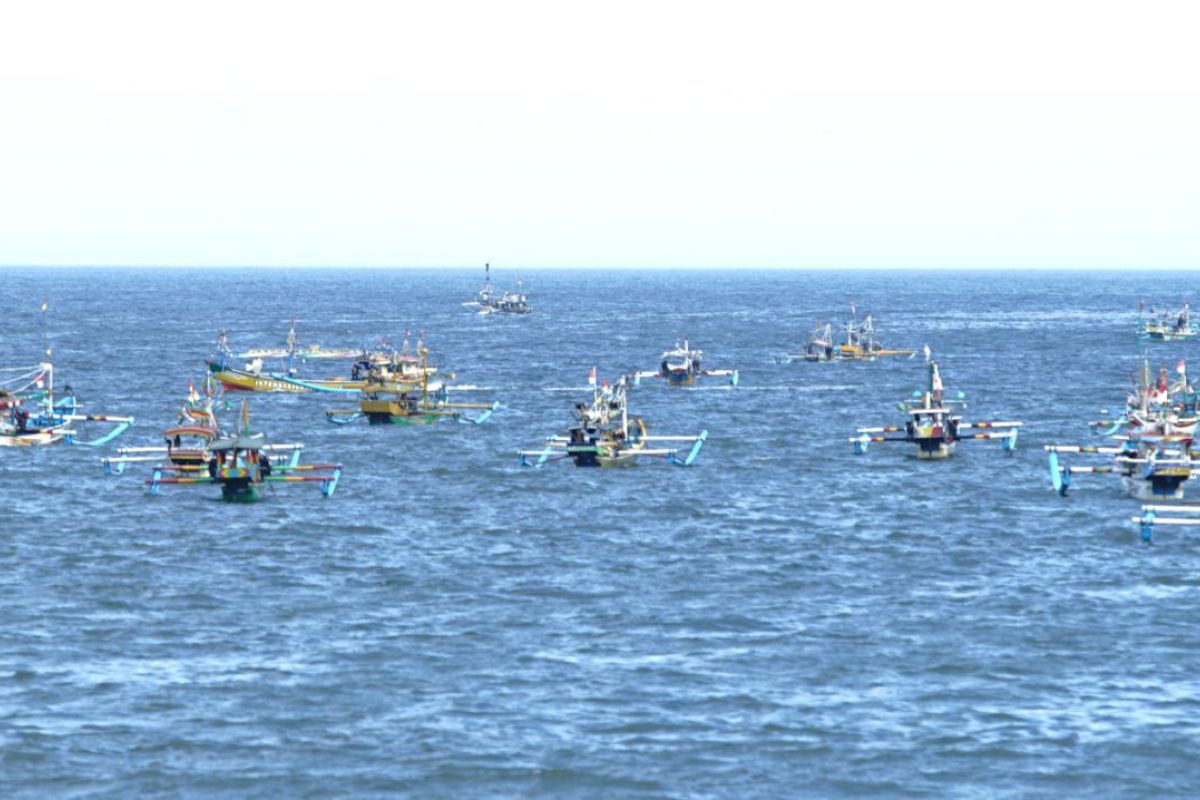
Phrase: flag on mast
x=592 y=377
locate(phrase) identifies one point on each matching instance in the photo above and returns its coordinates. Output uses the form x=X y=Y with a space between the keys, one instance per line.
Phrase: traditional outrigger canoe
x=187 y=445
x=31 y=414
x=490 y=301
x=858 y=343
x=935 y=427
x=386 y=401
x=242 y=465
x=1152 y=452
x=1167 y=326
x=605 y=435
x=681 y=366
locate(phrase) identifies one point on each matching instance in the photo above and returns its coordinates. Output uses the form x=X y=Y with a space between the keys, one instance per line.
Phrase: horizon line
x=609 y=267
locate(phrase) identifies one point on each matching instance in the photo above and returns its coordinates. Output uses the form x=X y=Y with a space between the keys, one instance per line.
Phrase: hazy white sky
x=824 y=134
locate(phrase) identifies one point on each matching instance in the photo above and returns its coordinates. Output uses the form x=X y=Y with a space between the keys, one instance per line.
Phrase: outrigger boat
x=490 y=301
x=858 y=343
x=1167 y=326
x=242 y=466
x=1153 y=452
x=934 y=426
x=605 y=435
x=292 y=350
x=386 y=401
x=681 y=367
x=30 y=414
x=187 y=444
x=401 y=366
x=1173 y=407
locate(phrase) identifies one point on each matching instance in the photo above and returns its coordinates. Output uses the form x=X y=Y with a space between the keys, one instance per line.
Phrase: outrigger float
x=858 y=343
x=401 y=366
x=385 y=401
x=681 y=366
x=490 y=301
x=934 y=426
x=1167 y=326
x=604 y=435
x=241 y=465
x=30 y=414
x=1175 y=515
x=187 y=445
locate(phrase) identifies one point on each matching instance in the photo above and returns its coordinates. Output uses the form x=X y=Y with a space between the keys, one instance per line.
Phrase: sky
x=625 y=134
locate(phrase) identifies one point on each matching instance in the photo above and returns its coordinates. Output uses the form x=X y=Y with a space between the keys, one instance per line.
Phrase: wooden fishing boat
x=386 y=401
x=858 y=343
x=605 y=435
x=31 y=414
x=1153 y=450
x=242 y=466
x=1167 y=326
x=490 y=301
x=935 y=426
x=187 y=445
x=681 y=366
x=400 y=366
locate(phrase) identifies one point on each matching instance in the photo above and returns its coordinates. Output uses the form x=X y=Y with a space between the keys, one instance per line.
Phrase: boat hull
x=30 y=438
x=241 y=490
x=934 y=449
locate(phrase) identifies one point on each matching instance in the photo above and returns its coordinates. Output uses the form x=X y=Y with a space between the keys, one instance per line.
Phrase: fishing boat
x=187 y=444
x=1172 y=406
x=605 y=435
x=32 y=414
x=386 y=401
x=400 y=365
x=681 y=366
x=490 y=301
x=934 y=425
x=858 y=343
x=242 y=466
x=1166 y=326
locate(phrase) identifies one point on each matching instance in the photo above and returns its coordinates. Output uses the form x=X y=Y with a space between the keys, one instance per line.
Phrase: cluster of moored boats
x=1151 y=448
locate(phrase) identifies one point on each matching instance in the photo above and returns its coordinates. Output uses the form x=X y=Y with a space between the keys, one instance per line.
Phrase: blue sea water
x=783 y=619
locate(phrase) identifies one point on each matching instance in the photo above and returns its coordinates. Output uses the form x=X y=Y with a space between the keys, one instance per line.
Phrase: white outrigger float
x=935 y=427
x=605 y=435
x=681 y=366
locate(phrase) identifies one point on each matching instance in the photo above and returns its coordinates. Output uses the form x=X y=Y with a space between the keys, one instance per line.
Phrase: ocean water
x=783 y=619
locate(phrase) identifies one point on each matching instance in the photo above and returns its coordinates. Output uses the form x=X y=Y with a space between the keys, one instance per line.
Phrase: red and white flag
x=1181 y=367
x=592 y=377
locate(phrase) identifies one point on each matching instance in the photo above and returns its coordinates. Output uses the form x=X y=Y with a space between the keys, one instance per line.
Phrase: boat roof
x=254 y=441
x=191 y=430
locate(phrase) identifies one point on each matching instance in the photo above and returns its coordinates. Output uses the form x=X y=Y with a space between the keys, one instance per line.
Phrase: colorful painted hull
x=241 y=381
